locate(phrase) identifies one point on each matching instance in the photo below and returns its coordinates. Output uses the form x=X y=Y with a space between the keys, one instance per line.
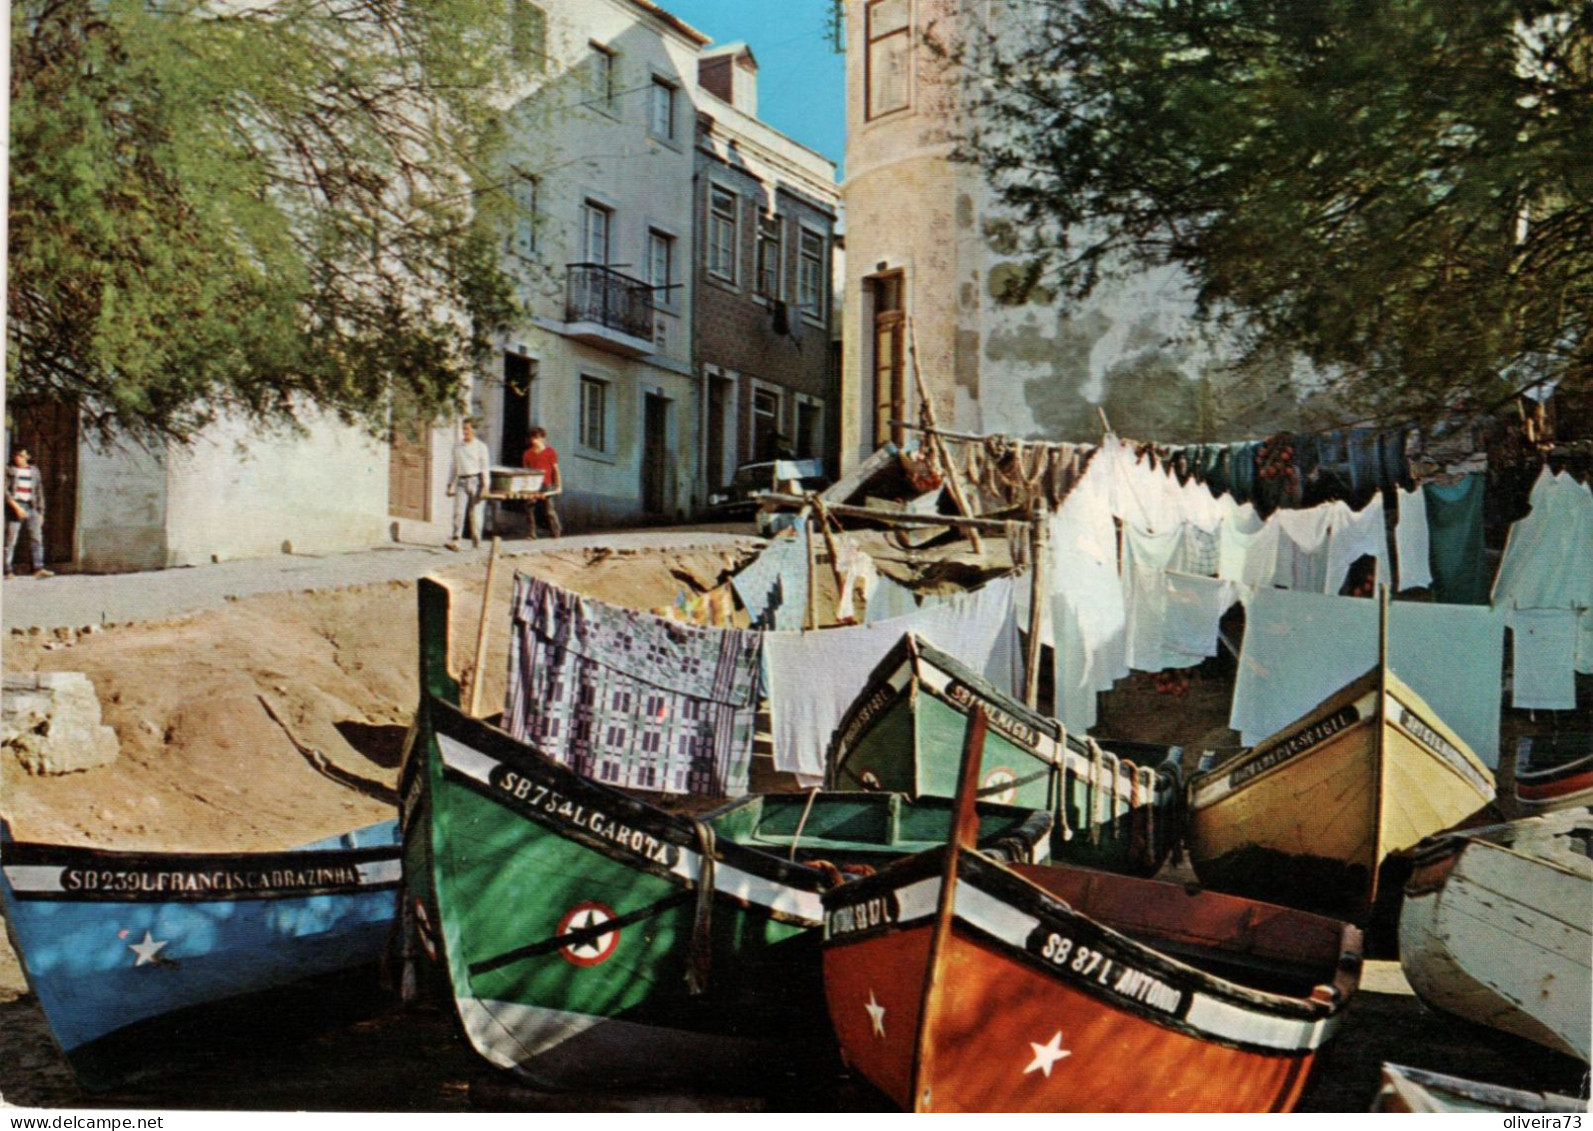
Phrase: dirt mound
x=224 y=718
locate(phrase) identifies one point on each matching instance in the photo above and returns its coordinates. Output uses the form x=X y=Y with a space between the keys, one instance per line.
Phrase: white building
x=928 y=262
x=601 y=166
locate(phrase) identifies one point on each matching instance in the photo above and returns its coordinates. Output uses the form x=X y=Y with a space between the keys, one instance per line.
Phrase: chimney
x=730 y=72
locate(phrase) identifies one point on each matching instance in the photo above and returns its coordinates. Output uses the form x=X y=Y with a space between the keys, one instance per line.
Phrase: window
x=523 y=226
x=595 y=223
x=660 y=263
x=528 y=35
x=603 y=76
x=810 y=274
x=765 y=424
x=722 y=234
x=661 y=110
x=890 y=46
x=594 y=414
x=769 y=240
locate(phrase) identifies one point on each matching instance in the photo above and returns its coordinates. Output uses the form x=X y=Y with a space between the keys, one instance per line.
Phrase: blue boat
x=143 y=959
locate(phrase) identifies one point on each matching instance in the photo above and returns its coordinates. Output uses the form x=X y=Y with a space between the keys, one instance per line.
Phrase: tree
x=219 y=206
x=1398 y=190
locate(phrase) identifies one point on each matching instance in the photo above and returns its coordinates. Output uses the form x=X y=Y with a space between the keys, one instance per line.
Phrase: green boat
x=590 y=940
x=1117 y=805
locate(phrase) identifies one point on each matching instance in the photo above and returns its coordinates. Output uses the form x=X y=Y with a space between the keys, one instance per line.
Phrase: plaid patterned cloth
x=631 y=699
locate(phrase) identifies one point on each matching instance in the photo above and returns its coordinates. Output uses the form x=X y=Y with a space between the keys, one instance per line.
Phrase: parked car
x=795 y=476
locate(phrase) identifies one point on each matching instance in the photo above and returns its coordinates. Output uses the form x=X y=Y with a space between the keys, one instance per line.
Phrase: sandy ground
x=204 y=765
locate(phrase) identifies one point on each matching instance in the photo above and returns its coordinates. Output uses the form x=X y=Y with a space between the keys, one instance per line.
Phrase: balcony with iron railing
x=608 y=309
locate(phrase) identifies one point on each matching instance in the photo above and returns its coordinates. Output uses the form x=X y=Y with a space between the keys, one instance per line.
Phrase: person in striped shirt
x=25 y=504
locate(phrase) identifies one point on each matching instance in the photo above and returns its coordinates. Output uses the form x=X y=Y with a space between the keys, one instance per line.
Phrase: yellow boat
x=1308 y=816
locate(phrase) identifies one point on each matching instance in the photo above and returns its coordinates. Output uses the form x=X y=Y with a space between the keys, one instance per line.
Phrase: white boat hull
x=1505 y=938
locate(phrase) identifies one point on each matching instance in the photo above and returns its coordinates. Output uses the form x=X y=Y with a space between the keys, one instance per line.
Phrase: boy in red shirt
x=539 y=457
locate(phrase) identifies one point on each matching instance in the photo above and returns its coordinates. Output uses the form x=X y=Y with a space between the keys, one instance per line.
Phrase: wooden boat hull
x=141 y=959
x=1037 y=1006
x=1497 y=928
x=1414 y=1091
x=1116 y=807
x=1308 y=817
x=592 y=941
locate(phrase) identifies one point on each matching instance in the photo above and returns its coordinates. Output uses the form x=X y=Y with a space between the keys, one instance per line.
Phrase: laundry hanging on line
x=814 y=676
x=628 y=698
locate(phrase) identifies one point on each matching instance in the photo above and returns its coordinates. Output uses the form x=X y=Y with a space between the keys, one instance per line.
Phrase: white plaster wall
x=121 y=507
x=237 y=493
x=1042 y=368
x=602 y=488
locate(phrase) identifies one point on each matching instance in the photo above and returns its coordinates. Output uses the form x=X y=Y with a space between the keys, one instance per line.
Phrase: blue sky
x=801 y=79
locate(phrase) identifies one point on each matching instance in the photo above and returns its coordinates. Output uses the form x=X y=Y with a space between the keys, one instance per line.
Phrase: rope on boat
x=1097 y=766
x=1109 y=818
x=1062 y=794
x=1132 y=816
x=699 y=951
x=1145 y=778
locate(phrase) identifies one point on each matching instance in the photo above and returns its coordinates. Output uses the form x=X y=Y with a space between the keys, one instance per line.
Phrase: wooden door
x=49 y=430
x=655 y=455
x=409 y=474
x=890 y=377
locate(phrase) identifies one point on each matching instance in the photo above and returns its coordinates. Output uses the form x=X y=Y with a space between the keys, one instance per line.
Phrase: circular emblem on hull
x=990 y=789
x=590 y=950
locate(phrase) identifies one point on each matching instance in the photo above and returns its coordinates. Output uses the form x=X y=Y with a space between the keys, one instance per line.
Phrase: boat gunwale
x=672 y=829
x=1207 y=781
x=1440 y=1085
x=1347 y=696
x=39 y=854
x=680 y=831
x=914 y=654
x=1041 y=904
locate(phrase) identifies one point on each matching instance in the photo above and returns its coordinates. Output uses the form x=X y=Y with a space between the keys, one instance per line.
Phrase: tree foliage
x=251 y=207
x=1401 y=191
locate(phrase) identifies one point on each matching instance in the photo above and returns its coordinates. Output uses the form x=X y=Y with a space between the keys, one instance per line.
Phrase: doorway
x=49 y=430
x=890 y=383
x=720 y=429
x=655 y=455
x=518 y=373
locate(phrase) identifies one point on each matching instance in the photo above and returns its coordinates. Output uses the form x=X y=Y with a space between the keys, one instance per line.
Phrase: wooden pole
x=1037 y=608
x=1381 y=715
x=972 y=438
x=811 y=618
x=481 y=635
x=834 y=549
x=953 y=479
x=964 y=834
x=890 y=518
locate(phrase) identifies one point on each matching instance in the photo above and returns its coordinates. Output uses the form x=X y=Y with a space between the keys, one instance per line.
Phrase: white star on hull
x=1046 y=1055
x=876 y=1015
x=147 y=950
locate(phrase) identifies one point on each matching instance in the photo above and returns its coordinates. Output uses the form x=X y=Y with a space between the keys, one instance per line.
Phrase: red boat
x=1554 y=772
x=958 y=984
